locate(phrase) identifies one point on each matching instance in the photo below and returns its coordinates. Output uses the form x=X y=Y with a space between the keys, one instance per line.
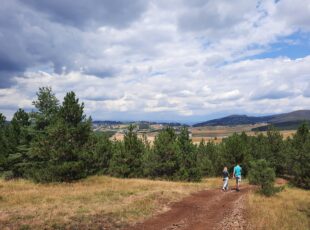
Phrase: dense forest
x=55 y=143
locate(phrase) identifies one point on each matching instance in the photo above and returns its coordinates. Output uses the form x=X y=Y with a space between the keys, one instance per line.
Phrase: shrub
x=8 y=175
x=261 y=174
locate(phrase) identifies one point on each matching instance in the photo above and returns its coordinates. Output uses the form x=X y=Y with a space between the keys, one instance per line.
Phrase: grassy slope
x=289 y=209
x=102 y=200
x=91 y=202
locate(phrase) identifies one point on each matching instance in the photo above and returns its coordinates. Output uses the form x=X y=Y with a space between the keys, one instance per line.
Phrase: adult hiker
x=237 y=173
x=225 y=179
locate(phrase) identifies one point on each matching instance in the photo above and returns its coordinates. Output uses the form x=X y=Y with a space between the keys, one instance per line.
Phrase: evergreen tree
x=2 y=120
x=301 y=136
x=276 y=155
x=259 y=146
x=215 y=153
x=97 y=158
x=163 y=159
x=3 y=144
x=71 y=111
x=20 y=124
x=20 y=138
x=187 y=158
x=203 y=159
x=47 y=106
x=301 y=157
x=7 y=148
x=235 y=149
x=57 y=153
x=261 y=174
x=127 y=158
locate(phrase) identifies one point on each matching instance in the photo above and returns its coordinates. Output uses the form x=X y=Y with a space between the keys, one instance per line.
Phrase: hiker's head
x=225 y=168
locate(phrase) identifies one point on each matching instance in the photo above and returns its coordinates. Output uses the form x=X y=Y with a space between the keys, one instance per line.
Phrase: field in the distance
x=211 y=133
x=217 y=133
x=95 y=201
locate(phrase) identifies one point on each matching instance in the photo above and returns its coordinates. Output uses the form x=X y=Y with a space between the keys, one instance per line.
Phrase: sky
x=157 y=60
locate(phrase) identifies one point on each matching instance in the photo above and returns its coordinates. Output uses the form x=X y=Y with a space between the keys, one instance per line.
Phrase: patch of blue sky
x=294 y=46
x=157 y=73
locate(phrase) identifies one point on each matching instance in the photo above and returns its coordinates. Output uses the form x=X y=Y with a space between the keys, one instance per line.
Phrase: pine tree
x=58 y=151
x=7 y=148
x=20 y=136
x=203 y=159
x=98 y=155
x=47 y=106
x=2 y=120
x=163 y=158
x=276 y=155
x=3 y=144
x=187 y=158
x=235 y=149
x=127 y=158
x=301 y=157
x=263 y=175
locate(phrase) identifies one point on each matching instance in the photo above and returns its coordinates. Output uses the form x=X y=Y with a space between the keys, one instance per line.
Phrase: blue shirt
x=237 y=171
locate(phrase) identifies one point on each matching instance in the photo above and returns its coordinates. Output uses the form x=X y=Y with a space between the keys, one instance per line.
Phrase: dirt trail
x=208 y=209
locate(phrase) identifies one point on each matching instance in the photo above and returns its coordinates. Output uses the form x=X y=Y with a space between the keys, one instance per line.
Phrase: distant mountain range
x=286 y=120
x=281 y=121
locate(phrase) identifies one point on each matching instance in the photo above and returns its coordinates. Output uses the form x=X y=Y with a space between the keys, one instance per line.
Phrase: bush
x=261 y=174
x=8 y=175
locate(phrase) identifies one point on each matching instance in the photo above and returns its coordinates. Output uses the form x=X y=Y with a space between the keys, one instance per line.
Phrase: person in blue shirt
x=237 y=173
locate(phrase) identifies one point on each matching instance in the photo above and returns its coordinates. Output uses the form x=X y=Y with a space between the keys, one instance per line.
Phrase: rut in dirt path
x=208 y=209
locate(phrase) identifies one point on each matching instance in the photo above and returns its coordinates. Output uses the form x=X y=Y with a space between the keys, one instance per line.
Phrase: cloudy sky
x=159 y=60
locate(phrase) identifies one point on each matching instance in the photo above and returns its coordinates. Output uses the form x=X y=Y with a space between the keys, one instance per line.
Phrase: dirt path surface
x=208 y=209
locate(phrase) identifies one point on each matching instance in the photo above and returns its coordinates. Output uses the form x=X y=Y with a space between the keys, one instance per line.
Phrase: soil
x=207 y=209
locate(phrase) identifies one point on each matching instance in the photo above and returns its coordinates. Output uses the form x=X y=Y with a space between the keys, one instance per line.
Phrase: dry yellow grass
x=197 y=140
x=90 y=202
x=220 y=134
x=289 y=210
x=212 y=133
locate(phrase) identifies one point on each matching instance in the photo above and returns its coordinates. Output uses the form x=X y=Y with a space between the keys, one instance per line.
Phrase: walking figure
x=237 y=174
x=225 y=179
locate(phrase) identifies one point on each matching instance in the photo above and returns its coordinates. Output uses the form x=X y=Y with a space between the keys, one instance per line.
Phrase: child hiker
x=225 y=179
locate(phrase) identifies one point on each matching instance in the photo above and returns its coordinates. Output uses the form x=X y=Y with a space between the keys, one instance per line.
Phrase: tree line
x=56 y=143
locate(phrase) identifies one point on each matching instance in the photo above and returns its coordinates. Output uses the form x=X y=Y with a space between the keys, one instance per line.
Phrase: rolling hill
x=290 y=120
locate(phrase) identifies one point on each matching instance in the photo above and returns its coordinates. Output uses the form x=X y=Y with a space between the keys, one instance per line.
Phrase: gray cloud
x=101 y=72
x=85 y=14
x=213 y=15
x=306 y=92
x=272 y=94
x=47 y=34
x=27 y=41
